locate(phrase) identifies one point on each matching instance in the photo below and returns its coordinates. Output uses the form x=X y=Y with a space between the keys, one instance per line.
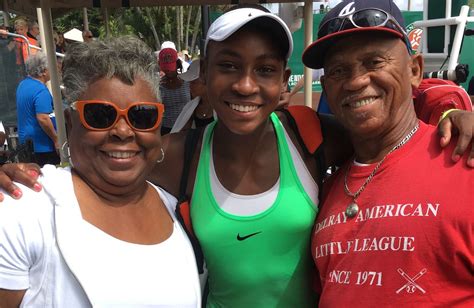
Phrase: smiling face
x=368 y=81
x=244 y=75
x=119 y=158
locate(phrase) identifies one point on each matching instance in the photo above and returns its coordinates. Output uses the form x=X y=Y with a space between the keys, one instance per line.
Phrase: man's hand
x=461 y=122
x=26 y=174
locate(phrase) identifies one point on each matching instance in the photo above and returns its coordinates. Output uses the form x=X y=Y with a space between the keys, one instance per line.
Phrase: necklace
x=353 y=208
x=203 y=114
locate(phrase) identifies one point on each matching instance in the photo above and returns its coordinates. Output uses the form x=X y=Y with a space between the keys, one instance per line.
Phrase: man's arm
x=45 y=122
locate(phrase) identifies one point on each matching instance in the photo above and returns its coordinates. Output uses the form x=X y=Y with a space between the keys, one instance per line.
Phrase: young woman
x=254 y=191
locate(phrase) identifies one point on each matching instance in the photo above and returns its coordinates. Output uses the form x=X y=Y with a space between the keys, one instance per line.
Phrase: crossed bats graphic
x=411 y=285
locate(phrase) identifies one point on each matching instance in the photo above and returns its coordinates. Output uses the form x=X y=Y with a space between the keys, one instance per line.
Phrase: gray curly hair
x=124 y=57
x=36 y=64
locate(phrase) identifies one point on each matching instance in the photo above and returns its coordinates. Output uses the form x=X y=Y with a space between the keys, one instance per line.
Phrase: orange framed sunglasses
x=103 y=115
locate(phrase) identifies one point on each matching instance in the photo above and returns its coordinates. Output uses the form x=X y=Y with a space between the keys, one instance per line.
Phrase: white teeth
x=121 y=155
x=362 y=102
x=242 y=108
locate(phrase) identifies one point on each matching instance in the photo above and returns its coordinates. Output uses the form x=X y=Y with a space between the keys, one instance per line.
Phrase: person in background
x=184 y=63
x=316 y=75
x=8 y=64
x=87 y=36
x=396 y=225
x=175 y=92
x=33 y=36
x=187 y=57
x=22 y=49
x=34 y=107
x=197 y=112
x=99 y=234
x=59 y=42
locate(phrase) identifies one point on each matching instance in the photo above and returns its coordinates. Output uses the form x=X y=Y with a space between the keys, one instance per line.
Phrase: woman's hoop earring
x=162 y=156
x=65 y=149
x=67 y=153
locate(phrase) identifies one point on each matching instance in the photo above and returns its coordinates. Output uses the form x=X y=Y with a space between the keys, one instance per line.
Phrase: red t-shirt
x=412 y=242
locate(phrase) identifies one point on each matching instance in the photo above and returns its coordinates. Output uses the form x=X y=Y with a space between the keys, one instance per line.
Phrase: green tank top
x=262 y=260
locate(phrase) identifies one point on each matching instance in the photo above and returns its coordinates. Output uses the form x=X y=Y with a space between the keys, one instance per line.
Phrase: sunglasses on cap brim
x=365 y=18
x=100 y=115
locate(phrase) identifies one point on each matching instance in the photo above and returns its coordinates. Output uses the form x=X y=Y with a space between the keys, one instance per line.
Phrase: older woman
x=99 y=234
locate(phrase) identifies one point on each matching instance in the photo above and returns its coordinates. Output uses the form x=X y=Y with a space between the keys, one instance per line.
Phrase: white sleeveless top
x=249 y=205
x=64 y=261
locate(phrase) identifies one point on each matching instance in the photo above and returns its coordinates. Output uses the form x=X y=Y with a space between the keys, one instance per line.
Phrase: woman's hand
x=461 y=122
x=26 y=174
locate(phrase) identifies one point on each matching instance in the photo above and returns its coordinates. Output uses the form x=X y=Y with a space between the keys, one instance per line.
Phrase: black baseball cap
x=314 y=54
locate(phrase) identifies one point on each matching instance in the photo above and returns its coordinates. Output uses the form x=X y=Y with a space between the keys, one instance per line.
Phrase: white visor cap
x=230 y=22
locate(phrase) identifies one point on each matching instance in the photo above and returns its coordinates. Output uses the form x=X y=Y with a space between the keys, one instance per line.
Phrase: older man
x=396 y=226
x=34 y=109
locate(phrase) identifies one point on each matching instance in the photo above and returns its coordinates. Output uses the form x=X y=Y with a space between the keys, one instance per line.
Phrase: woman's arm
x=463 y=122
x=11 y=298
x=337 y=144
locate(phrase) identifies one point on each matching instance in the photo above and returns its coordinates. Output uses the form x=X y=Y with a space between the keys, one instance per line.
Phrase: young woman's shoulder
x=167 y=174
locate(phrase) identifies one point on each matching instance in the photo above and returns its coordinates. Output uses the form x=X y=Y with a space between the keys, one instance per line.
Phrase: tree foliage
x=180 y=24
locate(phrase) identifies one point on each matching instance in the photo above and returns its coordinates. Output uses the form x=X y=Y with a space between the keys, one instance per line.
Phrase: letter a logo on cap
x=347 y=10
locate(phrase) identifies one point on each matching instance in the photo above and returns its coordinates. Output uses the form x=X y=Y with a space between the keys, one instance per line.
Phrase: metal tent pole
x=308 y=38
x=53 y=70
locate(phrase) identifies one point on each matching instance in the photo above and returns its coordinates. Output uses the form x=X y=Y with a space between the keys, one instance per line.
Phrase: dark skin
x=112 y=192
x=368 y=82
x=11 y=299
x=170 y=80
x=245 y=149
x=246 y=74
x=113 y=196
x=167 y=174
